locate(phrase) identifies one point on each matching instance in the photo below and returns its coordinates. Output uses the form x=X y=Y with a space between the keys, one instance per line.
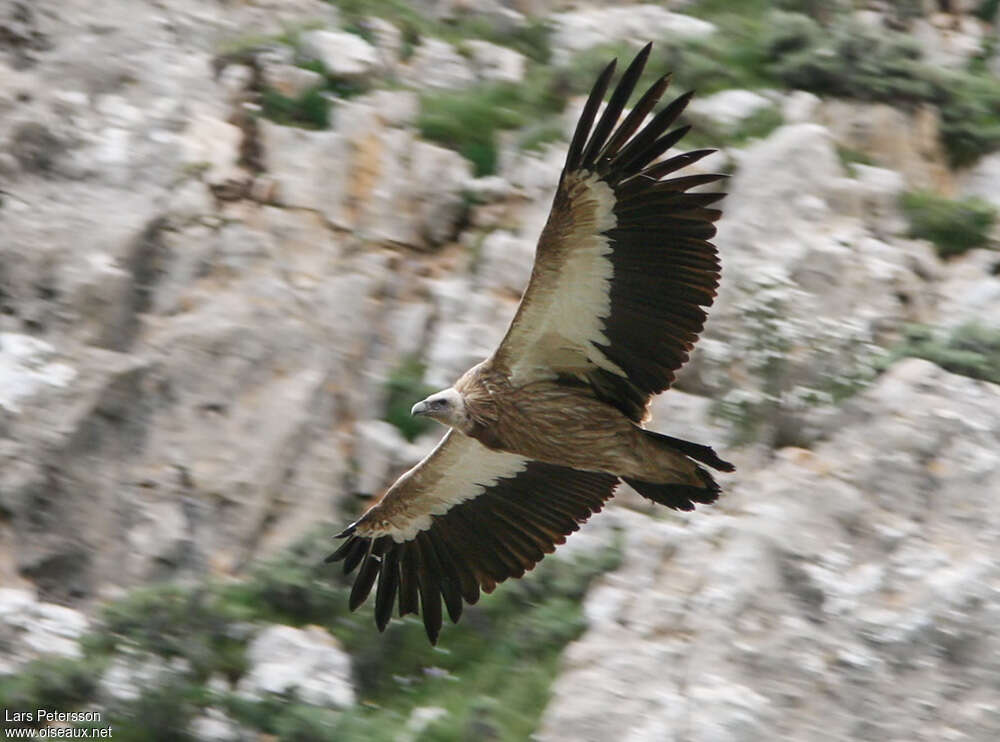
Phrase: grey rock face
x=344 y=55
x=132 y=672
x=437 y=64
x=307 y=663
x=199 y=309
x=970 y=290
x=577 y=30
x=980 y=180
x=724 y=111
x=353 y=175
x=30 y=629
x=137 y=308
x=835 y=595
x=906 y=141
x=291 y=81
x=809 y=291
x=495 y=63
x=215 y=726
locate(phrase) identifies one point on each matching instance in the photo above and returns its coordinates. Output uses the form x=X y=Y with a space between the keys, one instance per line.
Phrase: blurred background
x=238 y=239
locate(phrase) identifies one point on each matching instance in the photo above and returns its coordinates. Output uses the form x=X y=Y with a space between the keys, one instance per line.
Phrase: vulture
x=543 y=431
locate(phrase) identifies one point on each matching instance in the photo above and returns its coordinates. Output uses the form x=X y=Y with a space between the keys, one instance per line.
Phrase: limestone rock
x=420 y=718
x=820 y=571
x=388 y=42
x=344 y=55
x=969 y=291
x=133 y=672
x=495 y=63
x=27 y=365
x=799 y=107
x=215 y=726
x=437 y=64
x=162 y=536
x=805 y=267
x=398 y=108
x=30 y=629
x=302 y=163
x=880 y=191
x=353 y=176
x=180 y=390
x=982 y=178
x=577 y=30
x=948 y=40
x=384 y=454
x=488 y=189
x=291 y=81
x=907 y=142
x=506 y=261
x=307 y=663
x=724 y=111
x=471 y=323
x=212 y=146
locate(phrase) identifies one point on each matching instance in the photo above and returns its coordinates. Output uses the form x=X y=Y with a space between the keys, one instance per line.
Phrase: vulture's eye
x=439 y=404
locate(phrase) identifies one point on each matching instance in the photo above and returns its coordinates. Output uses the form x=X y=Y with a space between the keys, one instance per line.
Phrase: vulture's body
x=543 y=430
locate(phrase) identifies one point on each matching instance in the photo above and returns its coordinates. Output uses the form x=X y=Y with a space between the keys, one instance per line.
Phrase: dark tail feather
x=696 y=451
x=678 y=496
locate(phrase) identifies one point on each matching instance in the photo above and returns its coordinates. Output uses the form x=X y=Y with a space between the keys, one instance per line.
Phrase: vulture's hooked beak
x=420 y=408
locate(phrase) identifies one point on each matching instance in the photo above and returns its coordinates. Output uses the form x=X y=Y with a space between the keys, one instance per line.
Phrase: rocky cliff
x=236 y=238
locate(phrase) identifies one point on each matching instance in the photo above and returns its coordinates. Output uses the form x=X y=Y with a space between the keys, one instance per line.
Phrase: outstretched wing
x=464 y=518
x=624 y=268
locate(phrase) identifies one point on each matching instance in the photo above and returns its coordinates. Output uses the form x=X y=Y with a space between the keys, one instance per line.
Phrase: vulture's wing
x=624 y=267
x=462 y=519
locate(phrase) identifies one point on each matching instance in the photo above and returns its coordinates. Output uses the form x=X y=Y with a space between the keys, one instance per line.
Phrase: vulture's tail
x=683 y=496
x=696 y=451
x=678 y=496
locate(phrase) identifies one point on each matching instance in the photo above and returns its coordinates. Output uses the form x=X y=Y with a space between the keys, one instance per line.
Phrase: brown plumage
x=544 y=430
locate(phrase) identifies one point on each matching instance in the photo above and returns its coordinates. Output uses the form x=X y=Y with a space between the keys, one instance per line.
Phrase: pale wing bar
x=624 y=267
x=665 y=270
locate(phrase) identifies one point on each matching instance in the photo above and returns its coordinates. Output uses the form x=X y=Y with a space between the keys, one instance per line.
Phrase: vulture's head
x=446 y=407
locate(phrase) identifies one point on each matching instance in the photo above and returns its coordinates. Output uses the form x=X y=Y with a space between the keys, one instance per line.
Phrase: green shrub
x=311 y=110
x=971 y=350
x=904 y=11
x=405 y=388
x=468 y=120
x=987 y=10
x=953 y=226
x=51 y=683
x=302 y=723
x=537 y=136
x=292 y=588
x=531 y=39
x=850 y=60
x=970 y=115
x=850 y=157
x=494 y=668
x=175 y=621
x=160 y=714
x=790 y=33
x=714 y=10
x=492 y=672
x=757 y=125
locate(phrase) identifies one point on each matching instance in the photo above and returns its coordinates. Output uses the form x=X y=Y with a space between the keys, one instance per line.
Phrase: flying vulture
x=543 y=431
